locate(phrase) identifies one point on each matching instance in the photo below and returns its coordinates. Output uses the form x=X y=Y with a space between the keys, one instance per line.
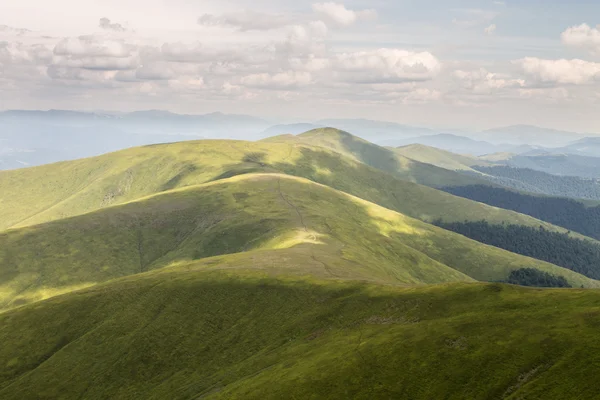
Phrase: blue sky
x=455 y=64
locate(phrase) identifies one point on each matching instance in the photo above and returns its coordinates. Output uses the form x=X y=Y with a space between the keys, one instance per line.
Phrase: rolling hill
x=296 y=267
x=379 y=157
x=440 y=158
x=187 y=332
x=245 y=214
x=36 y=195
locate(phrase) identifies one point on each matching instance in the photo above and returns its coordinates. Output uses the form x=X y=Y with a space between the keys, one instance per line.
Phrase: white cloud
x=282 y=80
x=482 y=81
x=111 y=26
x=386 y=65
x=246 y=20
x=490 y=29
x=574 y=72
x=92 y=46
x=338 y=14
x=582 y=36
x=13 y=31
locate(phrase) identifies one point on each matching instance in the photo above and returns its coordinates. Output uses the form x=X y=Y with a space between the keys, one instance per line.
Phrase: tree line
x=582 y=256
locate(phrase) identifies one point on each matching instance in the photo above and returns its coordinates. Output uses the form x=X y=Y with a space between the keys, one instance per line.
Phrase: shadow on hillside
x=371 y=154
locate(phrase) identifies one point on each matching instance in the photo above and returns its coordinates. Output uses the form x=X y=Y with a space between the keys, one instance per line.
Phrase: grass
x=269 y=270
x=41 y=194
x=190 y=333
x=244 y=214
x=440 y=158
x=384 y=159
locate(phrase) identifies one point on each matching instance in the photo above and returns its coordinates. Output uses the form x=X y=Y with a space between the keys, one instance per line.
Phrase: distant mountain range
x=29 y=138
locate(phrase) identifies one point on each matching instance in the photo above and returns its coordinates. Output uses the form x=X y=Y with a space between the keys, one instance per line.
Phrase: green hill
x=187 y=333
x=380 y=157
x=440 y=158
x=248 y=213
x=41 y=194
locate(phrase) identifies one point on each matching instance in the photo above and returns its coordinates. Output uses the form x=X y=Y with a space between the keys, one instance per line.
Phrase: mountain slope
x=41 y=194
x=184 y=333
x=440 y=158
x=245 y=214
x=384 y=159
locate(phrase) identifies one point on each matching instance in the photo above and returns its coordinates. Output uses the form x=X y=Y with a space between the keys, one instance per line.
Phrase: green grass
x=186 y=333
x=348 y=237
x=384 y=159
x=440 y=158
x=52 y=192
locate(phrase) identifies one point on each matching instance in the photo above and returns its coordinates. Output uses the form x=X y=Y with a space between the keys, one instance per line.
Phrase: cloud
x=482 y=81
x=386 y=65
x=155 y=72
x=582 y=36
x=340 y=15
x=92 y=46
x=490 y=29
x=99 y=63
x=282 y=80
x=107 y=25
x=246 y=20
x=573 y=72
x=13 y=31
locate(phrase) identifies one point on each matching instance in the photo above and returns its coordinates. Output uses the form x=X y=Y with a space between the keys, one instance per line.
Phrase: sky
x=461 y=64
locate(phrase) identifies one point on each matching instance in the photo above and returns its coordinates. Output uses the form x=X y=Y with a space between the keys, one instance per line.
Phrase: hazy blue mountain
x=294 y=129
x=529 y=135
x=454 y=143
x=381 y=132
x=29 y=138
x=559 y=164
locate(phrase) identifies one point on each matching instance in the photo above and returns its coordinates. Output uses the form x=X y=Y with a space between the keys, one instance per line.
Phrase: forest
x=543 y=183
x=536 y=278
x=561 y=249
x=568 y=213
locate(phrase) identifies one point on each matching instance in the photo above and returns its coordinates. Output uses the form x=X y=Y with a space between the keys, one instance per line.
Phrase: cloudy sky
x=438 y=63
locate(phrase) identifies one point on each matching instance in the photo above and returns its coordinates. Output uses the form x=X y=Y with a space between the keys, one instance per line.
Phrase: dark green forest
x=540 y=182
x=568 y=213
x=557 y=248
x=536 y=278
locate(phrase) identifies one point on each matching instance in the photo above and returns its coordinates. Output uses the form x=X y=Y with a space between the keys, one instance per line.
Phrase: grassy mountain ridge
x=41 y=194
x=440 y=158
x=183 y=334
x=245 y=214
x=381 y=158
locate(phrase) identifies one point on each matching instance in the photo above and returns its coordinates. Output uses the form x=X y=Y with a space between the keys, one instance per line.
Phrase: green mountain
x=188 y=332
x=440 y=158
x=42 y=194
x=248 y=213
x=381 y=158
x=297 y=267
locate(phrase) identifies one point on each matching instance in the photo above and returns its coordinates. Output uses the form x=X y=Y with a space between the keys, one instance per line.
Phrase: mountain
x=533 y=181
x=289 y=129
x=381 y=132
x=206 y=331
x=380 y=157
x=453 y=143
x=440 y=158
x=573 y=214
x=41 y=194
x=295 y=267
x=248 y=213
x=529 y=135
x=588 y=146
x=559 y=164
x=29 y=138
